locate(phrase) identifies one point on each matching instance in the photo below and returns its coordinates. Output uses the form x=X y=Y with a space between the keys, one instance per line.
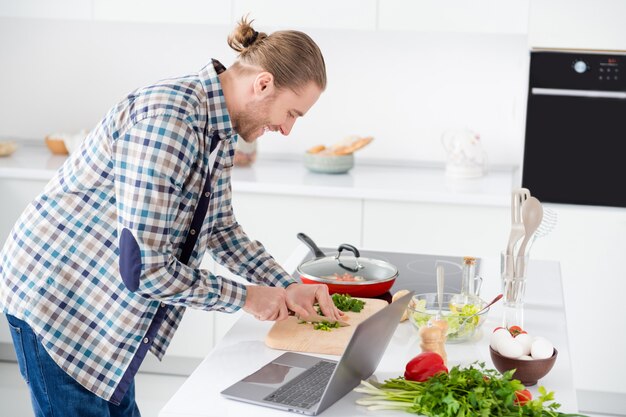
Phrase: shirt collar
x=218 y=117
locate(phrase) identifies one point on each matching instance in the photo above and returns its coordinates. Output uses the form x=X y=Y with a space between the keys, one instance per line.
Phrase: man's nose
x=286 y=127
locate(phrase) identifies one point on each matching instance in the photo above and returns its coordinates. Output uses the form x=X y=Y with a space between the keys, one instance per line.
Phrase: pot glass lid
x=347 y=269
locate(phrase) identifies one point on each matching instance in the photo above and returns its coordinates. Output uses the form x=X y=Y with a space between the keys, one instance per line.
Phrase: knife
x=317 y=318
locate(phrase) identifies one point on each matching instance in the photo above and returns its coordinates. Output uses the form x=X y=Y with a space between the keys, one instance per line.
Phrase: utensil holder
x=513 y=289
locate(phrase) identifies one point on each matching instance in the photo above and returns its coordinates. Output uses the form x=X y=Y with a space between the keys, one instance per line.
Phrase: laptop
x=307 y=384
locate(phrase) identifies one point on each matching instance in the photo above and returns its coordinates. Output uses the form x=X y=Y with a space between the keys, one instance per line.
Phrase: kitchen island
x=242 y=351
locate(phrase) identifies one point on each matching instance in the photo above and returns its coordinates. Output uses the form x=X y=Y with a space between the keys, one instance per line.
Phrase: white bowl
x=328 y=164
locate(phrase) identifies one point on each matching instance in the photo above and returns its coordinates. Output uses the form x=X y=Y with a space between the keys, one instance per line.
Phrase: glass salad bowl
x=458 y=311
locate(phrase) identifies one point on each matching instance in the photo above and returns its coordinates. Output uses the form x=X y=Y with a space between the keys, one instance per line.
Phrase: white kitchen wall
x=404 y=88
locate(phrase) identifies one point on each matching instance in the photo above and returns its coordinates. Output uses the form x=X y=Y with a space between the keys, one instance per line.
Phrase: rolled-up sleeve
x=151 y=162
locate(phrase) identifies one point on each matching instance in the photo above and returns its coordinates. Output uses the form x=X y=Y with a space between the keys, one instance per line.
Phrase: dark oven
x=575 y=145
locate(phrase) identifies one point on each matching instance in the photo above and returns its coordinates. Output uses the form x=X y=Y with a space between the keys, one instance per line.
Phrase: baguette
x=316 y=149
x=352 y=147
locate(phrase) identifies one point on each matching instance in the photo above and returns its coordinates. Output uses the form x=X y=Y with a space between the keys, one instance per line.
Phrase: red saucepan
x=346 y=274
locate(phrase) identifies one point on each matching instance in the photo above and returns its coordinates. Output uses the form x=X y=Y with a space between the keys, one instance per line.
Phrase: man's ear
x=264 y=84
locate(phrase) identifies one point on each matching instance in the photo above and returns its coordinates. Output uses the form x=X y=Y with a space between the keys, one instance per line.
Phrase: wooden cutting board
x=290 y=335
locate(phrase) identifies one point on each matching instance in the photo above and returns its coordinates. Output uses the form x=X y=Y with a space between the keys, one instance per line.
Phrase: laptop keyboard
x=306 y=389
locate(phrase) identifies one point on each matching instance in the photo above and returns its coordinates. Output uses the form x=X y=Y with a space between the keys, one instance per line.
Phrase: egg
x=498 y=335
x=526 y=341
x=510 y=348
x=541 y=348
x=525 y=358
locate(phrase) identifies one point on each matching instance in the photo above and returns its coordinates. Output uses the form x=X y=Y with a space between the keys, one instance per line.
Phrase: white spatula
x=518 y=197
x=532 y=214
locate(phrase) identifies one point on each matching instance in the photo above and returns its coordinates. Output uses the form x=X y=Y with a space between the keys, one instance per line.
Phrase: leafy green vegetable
x=454 y=318
x=464 y=392
x=345 y=302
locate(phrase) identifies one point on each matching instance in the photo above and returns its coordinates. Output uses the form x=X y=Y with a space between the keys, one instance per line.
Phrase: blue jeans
x=52 y=391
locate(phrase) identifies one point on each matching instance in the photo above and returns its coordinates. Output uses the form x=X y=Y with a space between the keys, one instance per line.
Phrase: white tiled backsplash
x=403 y=88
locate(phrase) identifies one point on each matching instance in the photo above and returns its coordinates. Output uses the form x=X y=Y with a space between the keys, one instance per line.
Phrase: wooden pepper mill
x=433 y=338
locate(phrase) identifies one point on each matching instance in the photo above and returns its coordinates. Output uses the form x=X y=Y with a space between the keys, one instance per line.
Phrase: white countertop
x=242 y=351
x=411 y=183
x=31 y=162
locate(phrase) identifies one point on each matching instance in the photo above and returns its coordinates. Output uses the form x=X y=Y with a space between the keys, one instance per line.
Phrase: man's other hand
x=302 y=297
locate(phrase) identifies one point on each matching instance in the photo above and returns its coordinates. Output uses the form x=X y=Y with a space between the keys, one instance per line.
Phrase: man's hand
x=266 y=303
x=301 y=297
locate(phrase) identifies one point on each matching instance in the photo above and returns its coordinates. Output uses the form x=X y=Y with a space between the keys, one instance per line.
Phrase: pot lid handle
x=356 y=253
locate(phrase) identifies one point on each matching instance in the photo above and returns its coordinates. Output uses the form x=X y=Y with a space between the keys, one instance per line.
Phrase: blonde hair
x=292 y=57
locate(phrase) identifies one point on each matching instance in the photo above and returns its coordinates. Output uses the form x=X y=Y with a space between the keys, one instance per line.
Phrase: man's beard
x=250 y=122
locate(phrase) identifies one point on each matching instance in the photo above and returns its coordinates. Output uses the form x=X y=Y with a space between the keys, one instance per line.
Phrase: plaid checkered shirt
x=94 y=266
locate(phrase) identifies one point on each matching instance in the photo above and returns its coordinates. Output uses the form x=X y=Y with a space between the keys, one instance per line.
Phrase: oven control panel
x=607 y=70
x=579 y=71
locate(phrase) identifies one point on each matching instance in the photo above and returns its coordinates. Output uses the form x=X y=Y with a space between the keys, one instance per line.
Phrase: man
x=100 y=267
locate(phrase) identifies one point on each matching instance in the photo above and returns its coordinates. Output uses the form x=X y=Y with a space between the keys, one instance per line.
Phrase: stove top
x=417 y=272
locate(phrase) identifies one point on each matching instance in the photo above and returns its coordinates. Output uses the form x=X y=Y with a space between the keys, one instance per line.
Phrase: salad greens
x=464 y=392
x=454 y=317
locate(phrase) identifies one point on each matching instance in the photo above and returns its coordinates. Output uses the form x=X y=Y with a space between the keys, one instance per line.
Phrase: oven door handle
x=578 y=93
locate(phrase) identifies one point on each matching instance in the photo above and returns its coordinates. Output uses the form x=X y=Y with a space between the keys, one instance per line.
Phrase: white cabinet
x=580 y=24
x=275 y=220
x=590 y=244
x=324 y=14
x=436 y=228
x=214 y=12
x=477 y=16
x=46 y=9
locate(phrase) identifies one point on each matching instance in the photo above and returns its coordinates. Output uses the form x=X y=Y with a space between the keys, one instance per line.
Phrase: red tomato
x=515 y=330
x=423 y=366
x=500 y=327
x=522 y=397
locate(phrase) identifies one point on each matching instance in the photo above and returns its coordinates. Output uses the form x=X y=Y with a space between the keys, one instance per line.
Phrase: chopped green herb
x=345 y=302
x=326 y=325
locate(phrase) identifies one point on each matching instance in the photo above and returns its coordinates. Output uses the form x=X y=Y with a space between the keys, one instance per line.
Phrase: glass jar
x=468 y=275
x=513 y=272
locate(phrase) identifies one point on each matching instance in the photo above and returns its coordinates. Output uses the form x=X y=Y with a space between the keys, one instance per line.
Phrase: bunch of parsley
x=464 y=392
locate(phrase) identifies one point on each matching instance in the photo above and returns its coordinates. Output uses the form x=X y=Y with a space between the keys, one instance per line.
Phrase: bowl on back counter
x=7 y=148
x=423 y=309
x=328 y=164
x=335 y=159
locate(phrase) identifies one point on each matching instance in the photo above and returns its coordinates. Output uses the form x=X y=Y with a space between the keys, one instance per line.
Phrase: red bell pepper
x=423 y=366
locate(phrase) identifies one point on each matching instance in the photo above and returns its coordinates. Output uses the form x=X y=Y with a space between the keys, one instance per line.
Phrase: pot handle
x=311 y=245
x=356 y=253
